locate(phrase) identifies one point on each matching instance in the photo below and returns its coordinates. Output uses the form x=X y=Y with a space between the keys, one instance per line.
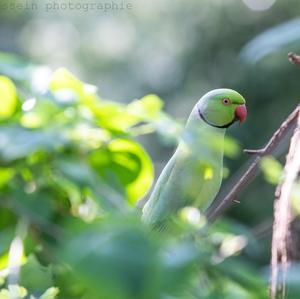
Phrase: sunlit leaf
x=271 y=169
x=44 y=112
x=62 y=79
x=130 y=164
x=8 y=97
x=113 y=116
x=232 y=244
x=231 y=147
x=13 y=291
x=148 y=107
x=51 y=293
x=6 y=174
x=67 y=88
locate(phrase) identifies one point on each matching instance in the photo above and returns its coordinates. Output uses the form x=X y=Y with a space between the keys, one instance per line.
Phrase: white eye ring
x=226 y=101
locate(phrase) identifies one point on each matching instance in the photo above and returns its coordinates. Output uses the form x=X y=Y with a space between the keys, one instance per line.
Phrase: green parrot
x=193 y=175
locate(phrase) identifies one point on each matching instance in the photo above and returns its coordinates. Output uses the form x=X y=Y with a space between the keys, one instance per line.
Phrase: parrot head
x=222 y=107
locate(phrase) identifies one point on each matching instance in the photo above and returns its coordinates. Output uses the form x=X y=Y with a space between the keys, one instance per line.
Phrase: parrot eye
x=226 y=101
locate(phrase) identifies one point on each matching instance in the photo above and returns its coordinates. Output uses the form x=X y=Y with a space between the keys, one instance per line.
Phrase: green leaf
x=87 y=178
x=116 y=262
x=132 y=156
x=147 y=108
x=34 y=276
x=6 y=174
x=51 y=293
x=62 y=79
x=8 y=99
x=112 y=115
x=14 y=67
x=271 y=169
x=45 y=112
x=231 y=147
x=129 y=163
x=17 y=142
x=121 y=259
x=64 y=82
x=13 y=291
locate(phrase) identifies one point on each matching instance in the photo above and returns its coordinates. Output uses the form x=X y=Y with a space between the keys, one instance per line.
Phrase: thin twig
x=254 y=152
x=221 y=204
x=277 y=136
x=283 y=216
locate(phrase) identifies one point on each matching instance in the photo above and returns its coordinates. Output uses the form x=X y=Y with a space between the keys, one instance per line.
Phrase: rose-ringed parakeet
x=193 y=175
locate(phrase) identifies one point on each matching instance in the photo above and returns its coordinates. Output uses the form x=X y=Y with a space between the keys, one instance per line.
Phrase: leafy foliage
x=71 y=173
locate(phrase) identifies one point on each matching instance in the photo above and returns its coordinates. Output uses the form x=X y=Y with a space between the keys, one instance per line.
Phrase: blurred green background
x=62 y=141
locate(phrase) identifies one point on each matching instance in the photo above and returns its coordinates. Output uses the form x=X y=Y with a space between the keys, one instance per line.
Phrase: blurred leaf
x=113 y=116
x=51 y=293
x=8 y=99
x=13 y=291
x=232 y=244
x=131 y=165
x=34 y=276
x=117 y=261
x=147 y=108
x=6 y=174
x=63 y=80
x=43 y=113
x=14 y=67
x=179 y=261
x=17 y=142
x=71 y=169
x=246 y=277
x=121 y=259
x=293 y=281
x=271 y=169
x=85 y=177
x=64 y=83
x=272 y=40
x=231 y=147
x=6 y=236
x=88 y=137
x=133 y=157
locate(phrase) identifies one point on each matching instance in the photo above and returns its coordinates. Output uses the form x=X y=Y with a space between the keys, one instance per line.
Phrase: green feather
x=193 y=175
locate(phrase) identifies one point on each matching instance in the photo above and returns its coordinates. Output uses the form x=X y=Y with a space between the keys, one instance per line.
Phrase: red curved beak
x=241 y=113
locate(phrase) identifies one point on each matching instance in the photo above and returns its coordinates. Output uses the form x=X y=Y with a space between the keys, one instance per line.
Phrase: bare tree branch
x=283 y=216
x=221 y=204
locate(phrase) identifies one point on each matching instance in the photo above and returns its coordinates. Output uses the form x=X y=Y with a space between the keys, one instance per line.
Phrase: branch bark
x=222 y=203
x=283 y=216
x=294 y=58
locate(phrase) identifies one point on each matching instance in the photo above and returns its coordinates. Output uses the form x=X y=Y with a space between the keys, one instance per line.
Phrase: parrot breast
x=192 y=177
